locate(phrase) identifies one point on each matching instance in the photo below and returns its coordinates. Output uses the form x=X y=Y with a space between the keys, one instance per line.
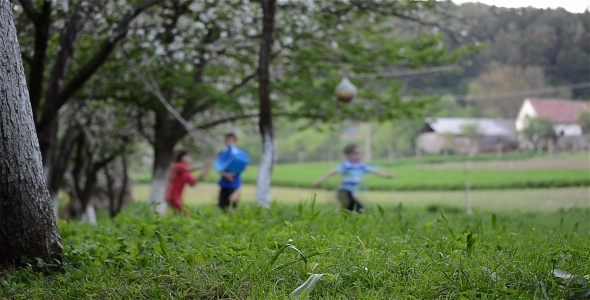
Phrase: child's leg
x=359 y=207
x=224 y=195
x=344 y=198
x=355 y=204
x=175 y=204
x=234 y=198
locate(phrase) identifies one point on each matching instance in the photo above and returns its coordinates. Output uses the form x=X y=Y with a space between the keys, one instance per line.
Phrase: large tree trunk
x=267 y=162
x=27 y=223
x=163 y=158
x=269 y=149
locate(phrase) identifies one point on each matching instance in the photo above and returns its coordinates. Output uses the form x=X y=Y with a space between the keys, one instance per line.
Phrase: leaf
x=282 y=249
x=470 y=241
x=448 y=227
x=303 y=291
x=311 y=254
x=162 y=243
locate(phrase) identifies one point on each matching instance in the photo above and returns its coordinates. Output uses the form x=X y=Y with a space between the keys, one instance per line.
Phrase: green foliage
x=538 y=129
x=404 y=254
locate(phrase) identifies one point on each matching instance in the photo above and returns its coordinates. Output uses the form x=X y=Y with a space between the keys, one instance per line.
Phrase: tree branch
x=226 y=120
x=141 y=129
x=101 y=164
x=42 y=23
x=242 y=83
x=69 y=38
x=188 y=110
x=30 y=10
x=103 y=53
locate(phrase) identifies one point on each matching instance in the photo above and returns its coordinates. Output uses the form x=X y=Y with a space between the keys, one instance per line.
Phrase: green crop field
x=418 y=178
x=391 y=252
x=438 y=173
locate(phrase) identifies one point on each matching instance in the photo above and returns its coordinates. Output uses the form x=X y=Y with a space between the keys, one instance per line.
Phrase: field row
x=513 y=171
x=409 y=178
x=416 y=178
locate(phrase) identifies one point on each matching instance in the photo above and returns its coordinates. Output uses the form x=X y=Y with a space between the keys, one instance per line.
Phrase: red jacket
x=179 y=176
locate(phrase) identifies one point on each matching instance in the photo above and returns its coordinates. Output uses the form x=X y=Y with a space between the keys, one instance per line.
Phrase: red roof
x=559 y=111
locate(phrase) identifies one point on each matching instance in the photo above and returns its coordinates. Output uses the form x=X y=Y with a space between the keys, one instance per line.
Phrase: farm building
x=563 y=113
x=459 y=135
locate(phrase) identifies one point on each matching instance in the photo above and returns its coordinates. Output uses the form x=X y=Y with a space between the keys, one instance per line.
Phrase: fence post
x=301 y=157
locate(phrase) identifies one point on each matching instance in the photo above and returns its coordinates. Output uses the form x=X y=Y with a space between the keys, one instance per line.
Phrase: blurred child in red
x=181 y=175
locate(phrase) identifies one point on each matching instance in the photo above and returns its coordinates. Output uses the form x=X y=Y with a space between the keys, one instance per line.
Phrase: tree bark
x=163 y=158
x=59 y=165
x=27 y=224
x=269 y=148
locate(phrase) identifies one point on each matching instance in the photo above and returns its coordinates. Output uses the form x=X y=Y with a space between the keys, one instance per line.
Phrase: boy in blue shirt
x=352 y=170
x=229 y=183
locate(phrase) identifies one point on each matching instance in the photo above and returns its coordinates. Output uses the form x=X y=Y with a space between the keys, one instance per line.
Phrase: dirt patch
x=516 y=165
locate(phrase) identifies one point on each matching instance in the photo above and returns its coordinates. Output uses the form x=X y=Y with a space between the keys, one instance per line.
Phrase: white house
x=563 y=113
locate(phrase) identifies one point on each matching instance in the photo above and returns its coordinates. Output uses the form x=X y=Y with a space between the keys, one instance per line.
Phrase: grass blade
x=162 y=243
x=494 y=221
x=282 y=249
x=448 y=227
x=381 y=210
x=311 y=254
x=470 y=241
x=276 y=256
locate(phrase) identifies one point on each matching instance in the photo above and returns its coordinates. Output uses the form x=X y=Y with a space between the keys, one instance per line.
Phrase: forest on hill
x=522 y=49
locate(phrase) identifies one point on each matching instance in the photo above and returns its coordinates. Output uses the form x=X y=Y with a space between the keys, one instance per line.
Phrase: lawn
x=391 y=252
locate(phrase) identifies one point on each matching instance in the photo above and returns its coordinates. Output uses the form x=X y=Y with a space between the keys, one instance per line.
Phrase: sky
x=575 y=6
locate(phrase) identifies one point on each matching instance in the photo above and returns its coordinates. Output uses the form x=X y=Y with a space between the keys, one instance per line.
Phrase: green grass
x=497 y=200
x=419 y=175
x=390 y=252
x=416 y=178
